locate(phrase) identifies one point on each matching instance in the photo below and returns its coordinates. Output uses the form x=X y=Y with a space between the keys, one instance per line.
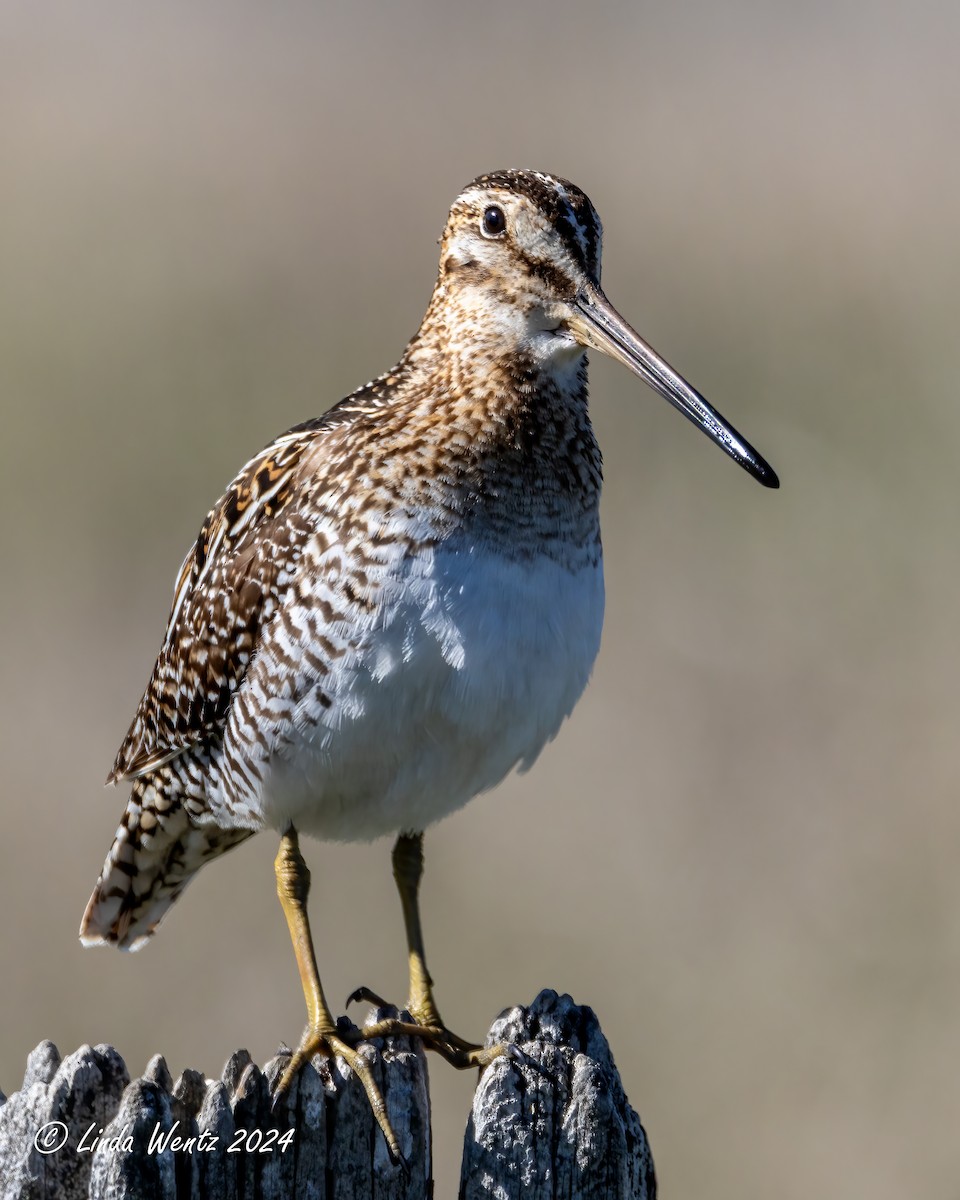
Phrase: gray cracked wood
x=552 y=1121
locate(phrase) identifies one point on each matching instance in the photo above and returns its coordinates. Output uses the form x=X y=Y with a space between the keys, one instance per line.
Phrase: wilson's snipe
x=395 y=604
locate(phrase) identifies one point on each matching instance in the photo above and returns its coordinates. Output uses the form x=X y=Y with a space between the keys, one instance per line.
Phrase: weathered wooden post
x=551 y=1121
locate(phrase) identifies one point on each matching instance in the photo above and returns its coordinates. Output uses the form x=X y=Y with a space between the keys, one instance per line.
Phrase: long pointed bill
x=598 y=324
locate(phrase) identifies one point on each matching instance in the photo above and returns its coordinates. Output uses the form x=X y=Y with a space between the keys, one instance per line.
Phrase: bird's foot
x=426 y=1025
x=331 y=1042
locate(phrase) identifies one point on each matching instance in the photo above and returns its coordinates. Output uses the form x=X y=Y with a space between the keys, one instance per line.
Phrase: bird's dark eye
x=493 y=222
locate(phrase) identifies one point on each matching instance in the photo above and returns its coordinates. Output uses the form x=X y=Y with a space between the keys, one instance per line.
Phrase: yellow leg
x=320 y=1035
x=428 y=1025
x=408 y=871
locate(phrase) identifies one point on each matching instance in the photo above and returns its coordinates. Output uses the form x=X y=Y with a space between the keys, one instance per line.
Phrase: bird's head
x=520 y=265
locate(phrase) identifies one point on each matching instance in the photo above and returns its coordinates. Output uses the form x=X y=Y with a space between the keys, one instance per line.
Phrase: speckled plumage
x=319 y=664
x=395 y=604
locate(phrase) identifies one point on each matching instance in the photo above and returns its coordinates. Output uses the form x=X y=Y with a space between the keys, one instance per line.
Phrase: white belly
x=470 y=667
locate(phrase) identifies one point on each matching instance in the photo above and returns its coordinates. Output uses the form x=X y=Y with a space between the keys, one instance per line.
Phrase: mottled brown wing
x=226 y=591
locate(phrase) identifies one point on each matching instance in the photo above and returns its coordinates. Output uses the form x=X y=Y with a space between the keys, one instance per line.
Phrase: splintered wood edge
x=548 y=1118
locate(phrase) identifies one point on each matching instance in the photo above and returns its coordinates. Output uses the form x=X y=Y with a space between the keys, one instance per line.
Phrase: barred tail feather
x=156 y=852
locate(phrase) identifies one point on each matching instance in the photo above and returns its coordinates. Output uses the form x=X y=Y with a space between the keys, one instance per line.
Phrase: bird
x=397 y=603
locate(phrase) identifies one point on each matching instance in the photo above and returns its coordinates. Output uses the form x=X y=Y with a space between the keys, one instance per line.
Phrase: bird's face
x=520 y=259
x=518 y=249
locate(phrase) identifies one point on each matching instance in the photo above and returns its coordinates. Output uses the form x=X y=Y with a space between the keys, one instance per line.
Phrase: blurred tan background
x=743 y=849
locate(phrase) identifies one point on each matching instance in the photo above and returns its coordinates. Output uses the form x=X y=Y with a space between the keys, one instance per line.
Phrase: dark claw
x=363 y=995
x=512 y=1051
x=278 y=1097
x=399 y=1161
